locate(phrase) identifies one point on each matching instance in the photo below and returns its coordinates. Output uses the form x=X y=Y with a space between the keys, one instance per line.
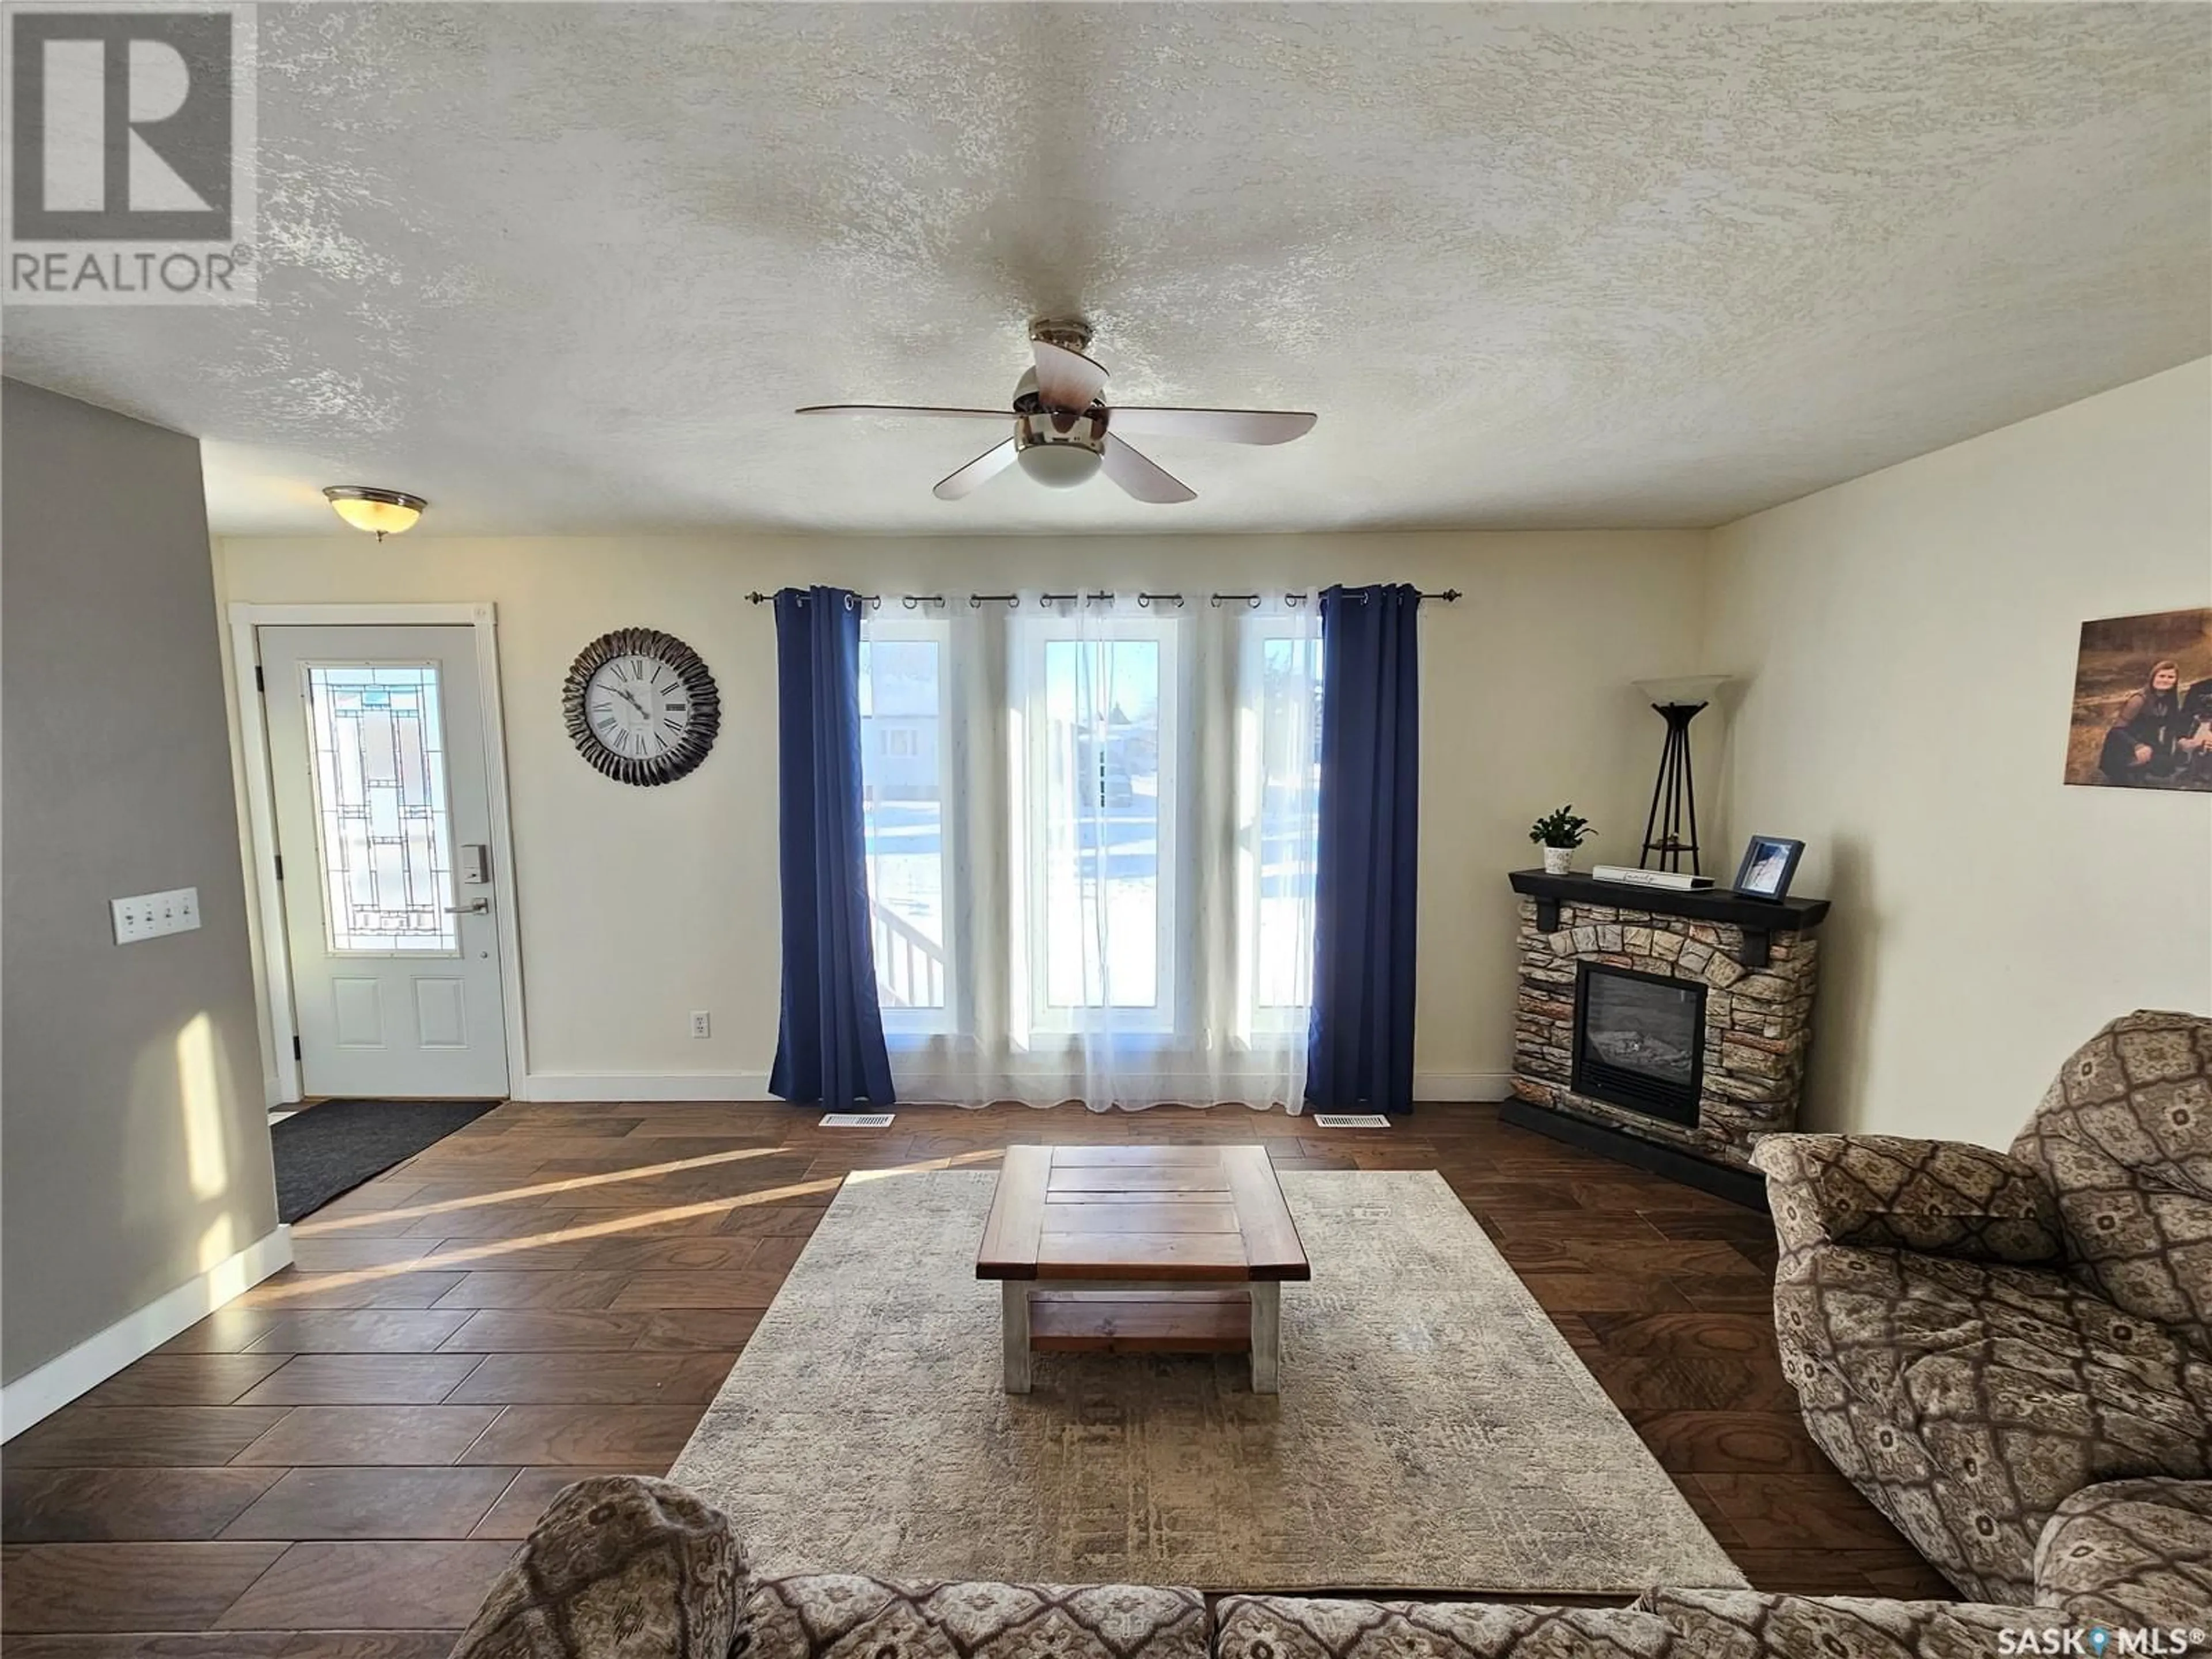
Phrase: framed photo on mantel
x=1769 y=863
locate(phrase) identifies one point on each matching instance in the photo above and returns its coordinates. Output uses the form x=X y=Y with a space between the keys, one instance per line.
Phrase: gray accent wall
x=134 y=1143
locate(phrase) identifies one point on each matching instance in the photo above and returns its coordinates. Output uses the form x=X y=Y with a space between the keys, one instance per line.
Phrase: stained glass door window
x=383 y=831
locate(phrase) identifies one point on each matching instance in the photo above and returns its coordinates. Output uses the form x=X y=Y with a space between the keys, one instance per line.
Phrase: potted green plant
x=1558 y=832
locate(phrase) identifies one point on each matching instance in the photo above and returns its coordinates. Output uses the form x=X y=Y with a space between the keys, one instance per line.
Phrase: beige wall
x=637 y=906
x=1909 y=643
x=1906 y=648
x=136 y=1151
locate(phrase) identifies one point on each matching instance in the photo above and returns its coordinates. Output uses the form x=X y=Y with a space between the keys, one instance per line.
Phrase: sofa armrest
x=2129 y=1553
x=618 y=1567
x=1886 y=1192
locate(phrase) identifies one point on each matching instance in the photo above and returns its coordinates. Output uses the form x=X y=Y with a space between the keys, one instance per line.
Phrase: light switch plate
x=149 y=915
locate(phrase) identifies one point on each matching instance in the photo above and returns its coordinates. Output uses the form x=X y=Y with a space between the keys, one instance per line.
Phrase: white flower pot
x=1558 y=860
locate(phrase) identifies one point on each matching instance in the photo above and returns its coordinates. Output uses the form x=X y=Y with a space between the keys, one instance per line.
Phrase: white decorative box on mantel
x=1679 y=1019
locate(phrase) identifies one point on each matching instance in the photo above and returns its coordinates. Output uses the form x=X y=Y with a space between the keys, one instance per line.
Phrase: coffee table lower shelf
x=1139 y=1317
x=1139 y=1322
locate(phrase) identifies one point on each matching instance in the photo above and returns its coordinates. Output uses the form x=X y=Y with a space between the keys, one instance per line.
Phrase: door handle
x=473 y=907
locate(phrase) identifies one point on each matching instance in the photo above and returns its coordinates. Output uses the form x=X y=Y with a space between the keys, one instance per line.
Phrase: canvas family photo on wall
x=2142 y=703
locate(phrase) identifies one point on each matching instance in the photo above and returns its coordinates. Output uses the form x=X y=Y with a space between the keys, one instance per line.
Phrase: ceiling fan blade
x=1227 y=426
x=904 y=409
x=1141 y=478
x=977 y=473
x=1067 y=379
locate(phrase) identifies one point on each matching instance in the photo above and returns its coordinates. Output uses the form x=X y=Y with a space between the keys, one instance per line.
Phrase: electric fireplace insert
x=1639 y=1041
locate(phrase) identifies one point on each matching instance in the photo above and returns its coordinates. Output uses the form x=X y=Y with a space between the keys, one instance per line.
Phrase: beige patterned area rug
x=1434 y=1431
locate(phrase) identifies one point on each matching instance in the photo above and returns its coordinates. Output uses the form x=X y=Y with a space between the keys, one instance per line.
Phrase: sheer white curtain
x=1120 y=887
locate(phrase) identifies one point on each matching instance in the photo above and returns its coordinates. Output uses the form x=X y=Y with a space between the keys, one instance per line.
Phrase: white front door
x=384 y=827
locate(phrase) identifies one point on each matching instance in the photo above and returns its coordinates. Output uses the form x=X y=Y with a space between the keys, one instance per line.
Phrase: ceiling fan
x=1065 y=432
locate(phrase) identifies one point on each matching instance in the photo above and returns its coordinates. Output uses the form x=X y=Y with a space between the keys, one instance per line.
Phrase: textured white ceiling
x=571 y=266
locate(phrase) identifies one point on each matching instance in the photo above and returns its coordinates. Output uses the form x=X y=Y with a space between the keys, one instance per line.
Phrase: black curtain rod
x=915 y=601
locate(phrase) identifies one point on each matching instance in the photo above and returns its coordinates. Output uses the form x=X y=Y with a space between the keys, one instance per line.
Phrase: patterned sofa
x=621 y=1567
x=2006 y=1350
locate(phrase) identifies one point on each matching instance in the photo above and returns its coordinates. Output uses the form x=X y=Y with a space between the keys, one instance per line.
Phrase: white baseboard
x=618 y=1086
x=39 y=1394
x=1463 y=1085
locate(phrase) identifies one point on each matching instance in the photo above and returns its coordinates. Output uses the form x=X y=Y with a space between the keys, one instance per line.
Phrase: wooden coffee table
x=1133 y=1250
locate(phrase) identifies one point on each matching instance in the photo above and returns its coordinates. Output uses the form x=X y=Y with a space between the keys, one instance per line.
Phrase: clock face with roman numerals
x=640 y=706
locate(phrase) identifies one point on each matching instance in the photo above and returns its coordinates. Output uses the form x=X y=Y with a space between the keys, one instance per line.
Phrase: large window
x=903 y=712
x=1095 y=818
x=1090 y=847
x=1278 y=822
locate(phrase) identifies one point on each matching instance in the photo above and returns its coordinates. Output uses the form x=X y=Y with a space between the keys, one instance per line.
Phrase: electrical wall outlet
x=702 y=1025
x=149 y=915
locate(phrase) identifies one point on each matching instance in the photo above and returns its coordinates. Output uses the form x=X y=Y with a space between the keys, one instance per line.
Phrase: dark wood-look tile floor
x=335 y=1464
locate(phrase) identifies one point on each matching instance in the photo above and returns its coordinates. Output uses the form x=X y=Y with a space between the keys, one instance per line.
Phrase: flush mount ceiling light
x=382 y=512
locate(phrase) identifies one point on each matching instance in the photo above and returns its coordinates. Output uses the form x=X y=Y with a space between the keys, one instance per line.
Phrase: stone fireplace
x=1667 y=1027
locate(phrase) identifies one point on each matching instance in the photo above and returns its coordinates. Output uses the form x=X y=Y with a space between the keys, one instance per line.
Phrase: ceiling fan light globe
x=1059 y=466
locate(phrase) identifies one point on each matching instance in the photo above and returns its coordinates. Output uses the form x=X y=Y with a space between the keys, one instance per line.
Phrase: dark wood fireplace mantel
x=1760 y=919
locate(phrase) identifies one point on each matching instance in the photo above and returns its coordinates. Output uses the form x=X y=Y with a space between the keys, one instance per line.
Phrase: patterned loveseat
x=1998 y=1347
x=621 y=1567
